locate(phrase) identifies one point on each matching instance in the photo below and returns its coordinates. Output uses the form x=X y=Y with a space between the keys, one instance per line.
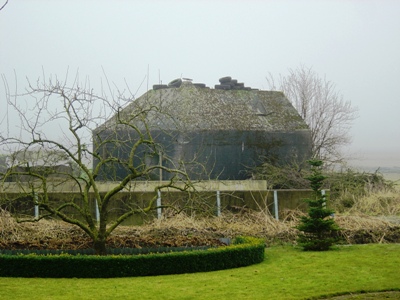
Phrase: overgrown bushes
x=243 y=252
x=346 y=186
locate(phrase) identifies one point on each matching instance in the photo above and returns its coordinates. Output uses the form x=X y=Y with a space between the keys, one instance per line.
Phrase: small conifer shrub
x=318 y=230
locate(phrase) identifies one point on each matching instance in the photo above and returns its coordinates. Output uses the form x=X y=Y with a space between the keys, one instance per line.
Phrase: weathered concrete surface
x=233 y=195
x=138 y=186
x=192 y=108
x=226 y=132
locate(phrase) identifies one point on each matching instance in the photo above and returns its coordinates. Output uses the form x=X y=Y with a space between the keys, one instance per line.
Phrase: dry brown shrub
x=229 y=225
x=8 y=226
x=361 y=221
x=385 y=203
x=182 y=229
x=36 y=234
x=360 y=228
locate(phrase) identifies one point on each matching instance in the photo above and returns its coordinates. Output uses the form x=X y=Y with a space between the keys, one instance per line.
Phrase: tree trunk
x=99 y=243
x=99 y=246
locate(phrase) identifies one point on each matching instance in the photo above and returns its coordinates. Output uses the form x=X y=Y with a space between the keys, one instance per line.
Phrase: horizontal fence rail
x=222 y=195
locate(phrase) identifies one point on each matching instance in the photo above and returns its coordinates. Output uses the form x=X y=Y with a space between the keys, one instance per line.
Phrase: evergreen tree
x=318 y=229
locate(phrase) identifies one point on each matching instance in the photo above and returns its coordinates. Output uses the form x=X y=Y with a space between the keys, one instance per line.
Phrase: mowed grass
x=286 y=273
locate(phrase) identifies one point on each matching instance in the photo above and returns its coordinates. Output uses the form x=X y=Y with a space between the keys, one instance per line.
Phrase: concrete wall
x=208 y=154
x=236 y=196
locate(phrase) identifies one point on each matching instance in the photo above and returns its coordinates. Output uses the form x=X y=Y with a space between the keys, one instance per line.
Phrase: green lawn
x=287 y=273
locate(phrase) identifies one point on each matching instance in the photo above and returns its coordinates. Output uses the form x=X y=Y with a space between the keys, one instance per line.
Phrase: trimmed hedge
x=246 y=251
x=110 y=251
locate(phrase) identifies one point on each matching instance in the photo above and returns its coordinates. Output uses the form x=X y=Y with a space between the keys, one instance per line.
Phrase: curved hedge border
x=244 y=252
x=110 y=251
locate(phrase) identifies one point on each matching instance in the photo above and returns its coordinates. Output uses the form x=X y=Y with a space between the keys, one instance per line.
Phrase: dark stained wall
x=214 y=154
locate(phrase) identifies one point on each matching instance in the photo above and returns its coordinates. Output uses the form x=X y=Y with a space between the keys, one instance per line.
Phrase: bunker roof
x=228 y=106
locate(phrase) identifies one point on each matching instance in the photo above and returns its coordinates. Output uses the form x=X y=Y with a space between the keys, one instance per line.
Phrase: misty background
x=355 y=44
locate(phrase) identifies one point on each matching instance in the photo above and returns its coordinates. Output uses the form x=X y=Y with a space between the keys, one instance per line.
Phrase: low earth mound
x=184 y=231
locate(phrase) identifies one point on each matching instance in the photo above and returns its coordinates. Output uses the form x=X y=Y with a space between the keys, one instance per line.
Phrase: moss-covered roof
x=191 y=107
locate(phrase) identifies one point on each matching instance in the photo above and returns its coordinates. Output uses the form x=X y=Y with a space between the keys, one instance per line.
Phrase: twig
x=4 y=5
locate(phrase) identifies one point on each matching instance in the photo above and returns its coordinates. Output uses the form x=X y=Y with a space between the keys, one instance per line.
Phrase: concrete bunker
x=220 y=133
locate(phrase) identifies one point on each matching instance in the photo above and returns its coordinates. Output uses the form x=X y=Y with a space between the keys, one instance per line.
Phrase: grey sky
x=355 y=44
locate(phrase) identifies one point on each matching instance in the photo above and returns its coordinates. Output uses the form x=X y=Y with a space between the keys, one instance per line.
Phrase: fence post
x=97 y=212
x=36 y=212
x=276 y=204
x=35 y=198
x=218 y=204
x=158 y=204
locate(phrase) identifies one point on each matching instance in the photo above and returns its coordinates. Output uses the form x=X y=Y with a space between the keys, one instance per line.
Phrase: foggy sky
x=355 y=44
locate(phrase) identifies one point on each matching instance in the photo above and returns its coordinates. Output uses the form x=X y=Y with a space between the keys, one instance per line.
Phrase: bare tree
x=323 y=108
x=58 y=121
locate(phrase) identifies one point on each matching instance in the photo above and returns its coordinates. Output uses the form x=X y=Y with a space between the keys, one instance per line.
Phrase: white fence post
x=218 y=204
x=35 y=197
x=36 y=212
x=276 y=204
x=158 y=204
x=97 y=211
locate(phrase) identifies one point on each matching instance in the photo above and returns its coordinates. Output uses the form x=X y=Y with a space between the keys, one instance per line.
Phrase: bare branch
x=4 y=5
x=70 y=136
x=328 y=116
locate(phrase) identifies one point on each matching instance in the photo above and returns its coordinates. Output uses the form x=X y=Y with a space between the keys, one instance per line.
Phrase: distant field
x=390 y=173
